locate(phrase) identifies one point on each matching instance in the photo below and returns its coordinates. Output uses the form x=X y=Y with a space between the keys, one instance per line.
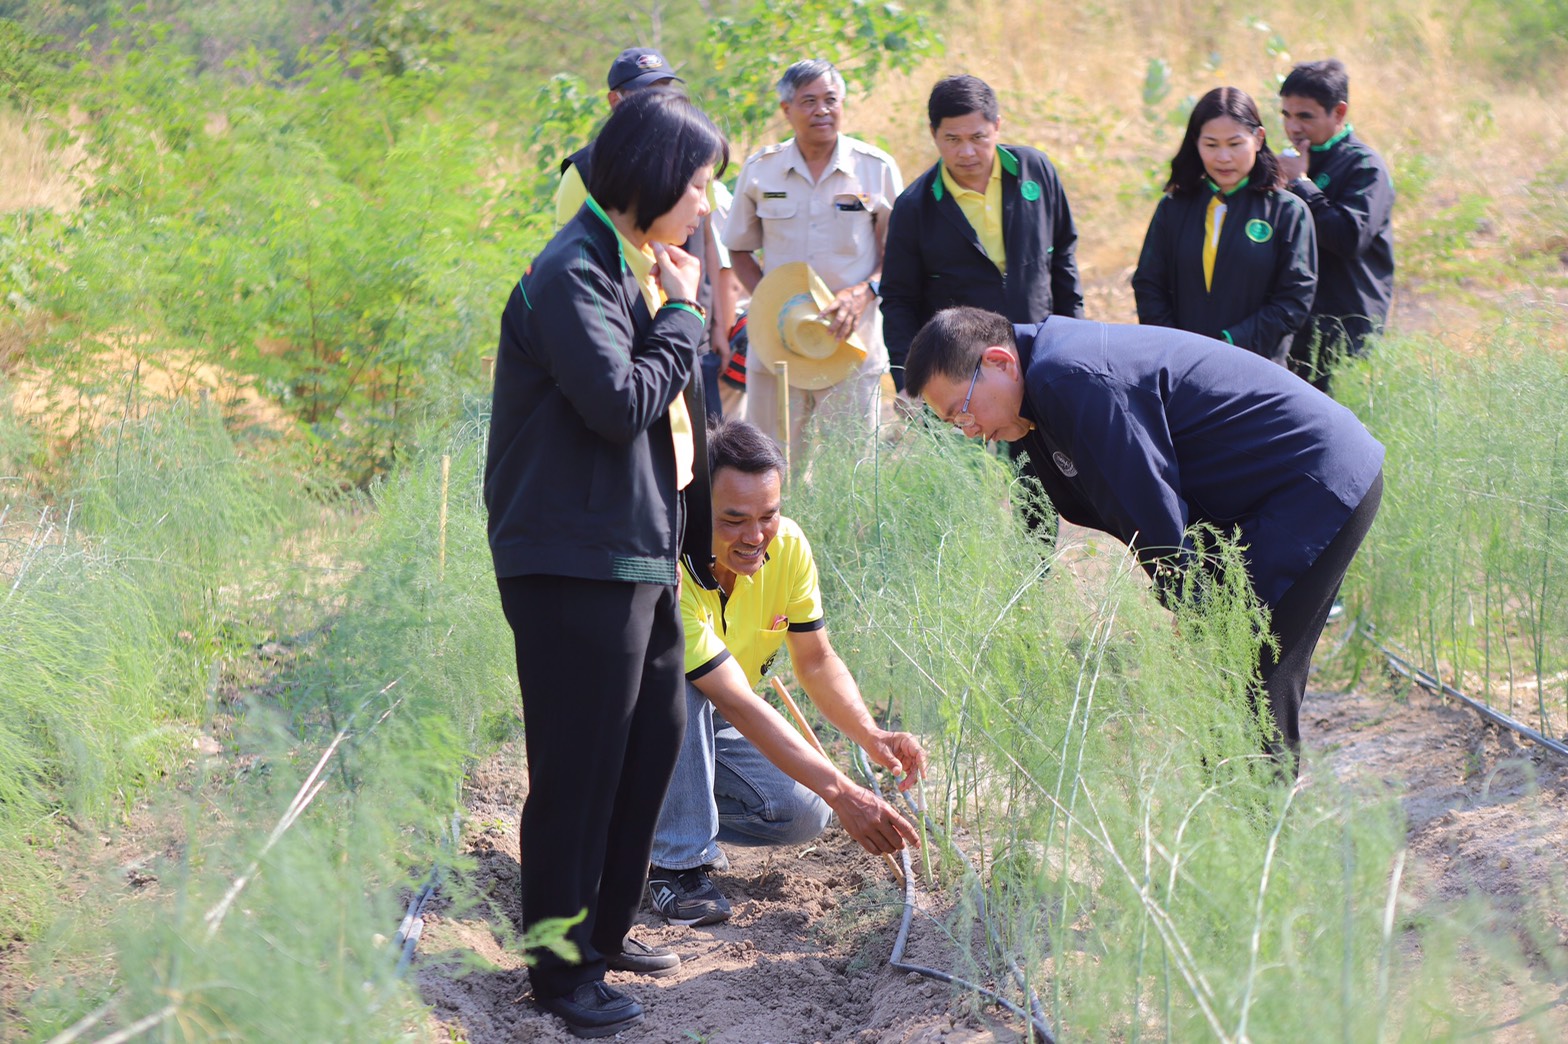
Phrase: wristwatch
x=875 y=286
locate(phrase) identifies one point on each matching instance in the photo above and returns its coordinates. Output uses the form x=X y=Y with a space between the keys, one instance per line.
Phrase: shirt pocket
x=851 y=228
x=775 y=209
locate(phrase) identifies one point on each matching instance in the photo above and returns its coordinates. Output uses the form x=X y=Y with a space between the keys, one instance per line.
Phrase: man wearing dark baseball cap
x=632 y=70
x=639 y=67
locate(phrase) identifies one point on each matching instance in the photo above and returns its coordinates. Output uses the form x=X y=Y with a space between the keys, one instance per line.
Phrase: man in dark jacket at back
x=1143 y=432
x=1351 y=196
x=987 y=226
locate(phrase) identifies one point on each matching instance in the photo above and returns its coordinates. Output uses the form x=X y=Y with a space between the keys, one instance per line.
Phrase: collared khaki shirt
x=832 y=224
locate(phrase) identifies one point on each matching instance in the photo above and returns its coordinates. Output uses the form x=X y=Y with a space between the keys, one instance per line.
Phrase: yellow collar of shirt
x=983 y=210
x=752 y=623
x=641 y=261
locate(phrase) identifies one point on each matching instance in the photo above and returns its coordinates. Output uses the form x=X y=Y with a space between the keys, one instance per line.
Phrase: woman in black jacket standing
x=592 y=444
x=1230 y=254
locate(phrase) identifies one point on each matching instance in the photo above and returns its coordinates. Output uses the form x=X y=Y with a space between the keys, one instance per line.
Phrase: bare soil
x=804 y=958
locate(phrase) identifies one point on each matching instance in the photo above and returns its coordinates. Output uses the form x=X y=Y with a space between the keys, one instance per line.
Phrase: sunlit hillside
x=1476 y=141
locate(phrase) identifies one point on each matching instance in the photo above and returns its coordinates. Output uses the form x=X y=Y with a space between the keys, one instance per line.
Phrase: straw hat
x=786 y=324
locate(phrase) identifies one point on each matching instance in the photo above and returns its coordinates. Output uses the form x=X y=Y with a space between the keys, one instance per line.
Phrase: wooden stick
x=811 y=736
x=446 y=476
x=781 y=374
x=800 y=719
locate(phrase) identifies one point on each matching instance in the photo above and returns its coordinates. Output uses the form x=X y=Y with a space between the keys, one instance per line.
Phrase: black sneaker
x=593 y=1010
x=686 y=897
x=637 y=956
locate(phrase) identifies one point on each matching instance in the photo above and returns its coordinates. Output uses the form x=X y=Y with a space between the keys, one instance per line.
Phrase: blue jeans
x=725 y=790
x=709 y=365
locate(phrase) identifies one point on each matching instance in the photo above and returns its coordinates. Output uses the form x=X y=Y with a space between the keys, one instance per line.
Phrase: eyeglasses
x=963 y=411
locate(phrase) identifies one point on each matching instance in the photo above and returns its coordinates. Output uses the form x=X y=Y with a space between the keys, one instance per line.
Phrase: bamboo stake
x=811 y=737
x=781 y=375
x=446 y=478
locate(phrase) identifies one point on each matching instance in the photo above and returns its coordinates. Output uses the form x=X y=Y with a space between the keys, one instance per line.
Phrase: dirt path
x=804 y=958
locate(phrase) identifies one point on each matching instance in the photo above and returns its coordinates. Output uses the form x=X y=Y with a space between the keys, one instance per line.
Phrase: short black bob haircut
x=1325 y=82
x=1187 y=171
x=950 y=344
x=740 y=444
x=651 y=147
x=959 y=96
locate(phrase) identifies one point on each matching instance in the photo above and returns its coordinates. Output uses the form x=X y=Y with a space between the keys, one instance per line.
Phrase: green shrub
x=115 y=606
x=1100 y=763
x=1467 y=564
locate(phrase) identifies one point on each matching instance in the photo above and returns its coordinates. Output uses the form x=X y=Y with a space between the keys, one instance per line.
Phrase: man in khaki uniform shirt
x=824 y=198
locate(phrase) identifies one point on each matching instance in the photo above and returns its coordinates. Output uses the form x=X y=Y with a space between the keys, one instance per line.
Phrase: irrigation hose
x=1035 y=1017
x=406 y=939
x=1436 y=685
x=413 y=924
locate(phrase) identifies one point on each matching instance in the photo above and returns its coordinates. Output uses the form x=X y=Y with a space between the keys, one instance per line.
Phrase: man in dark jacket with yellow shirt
x=987 y=226
x=1350 y=193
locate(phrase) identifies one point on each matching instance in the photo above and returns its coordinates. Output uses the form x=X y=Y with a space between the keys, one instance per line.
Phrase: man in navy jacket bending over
x=1142 y=432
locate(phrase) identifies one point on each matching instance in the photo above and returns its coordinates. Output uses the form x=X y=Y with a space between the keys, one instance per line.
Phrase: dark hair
x=950 y=344
x=959 y=96
x=1325 y=82
x=651 y=147
x=740 y=444
x=1187 y=172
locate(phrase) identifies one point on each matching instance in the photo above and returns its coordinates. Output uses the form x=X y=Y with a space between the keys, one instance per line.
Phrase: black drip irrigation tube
x=406 y=938
x=1432 y=684
x=1035 y=1016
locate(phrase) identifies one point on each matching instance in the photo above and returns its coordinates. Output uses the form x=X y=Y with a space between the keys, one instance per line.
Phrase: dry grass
x=125 y=379
x=1070 y=79
x=33 y=175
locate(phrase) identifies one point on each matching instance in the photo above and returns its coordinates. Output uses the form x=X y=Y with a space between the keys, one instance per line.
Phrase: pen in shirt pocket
x=779 y=623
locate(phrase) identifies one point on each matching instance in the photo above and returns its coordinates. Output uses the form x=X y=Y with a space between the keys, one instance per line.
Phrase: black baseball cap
x=638 y=67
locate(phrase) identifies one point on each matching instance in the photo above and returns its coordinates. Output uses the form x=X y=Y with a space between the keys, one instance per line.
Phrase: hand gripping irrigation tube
x=811 y=737
x=1038 y=1024
x=905 y=875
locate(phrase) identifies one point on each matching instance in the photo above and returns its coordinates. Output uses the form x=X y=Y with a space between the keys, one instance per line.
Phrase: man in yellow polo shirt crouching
x=745 y=776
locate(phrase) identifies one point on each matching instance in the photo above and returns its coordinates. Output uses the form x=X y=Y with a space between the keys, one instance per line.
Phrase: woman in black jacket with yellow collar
x=593 y=461
x=1230 y=254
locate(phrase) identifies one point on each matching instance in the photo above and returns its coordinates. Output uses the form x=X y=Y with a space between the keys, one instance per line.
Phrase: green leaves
x=747 y=54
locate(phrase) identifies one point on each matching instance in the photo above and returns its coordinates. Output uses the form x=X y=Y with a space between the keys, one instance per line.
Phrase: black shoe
x=593 y=1010
x=637 y=956
x=686 y=897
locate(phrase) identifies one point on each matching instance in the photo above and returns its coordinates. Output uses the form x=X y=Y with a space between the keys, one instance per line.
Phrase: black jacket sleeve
x=618 y=383
x=1066 y=287
x=902 y=279
x=1153 y=283
x=1346 y=226
x=1291 y=289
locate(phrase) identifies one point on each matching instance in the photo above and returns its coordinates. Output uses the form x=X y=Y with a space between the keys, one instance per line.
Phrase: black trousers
x=1297 y=622
x=600 y=664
